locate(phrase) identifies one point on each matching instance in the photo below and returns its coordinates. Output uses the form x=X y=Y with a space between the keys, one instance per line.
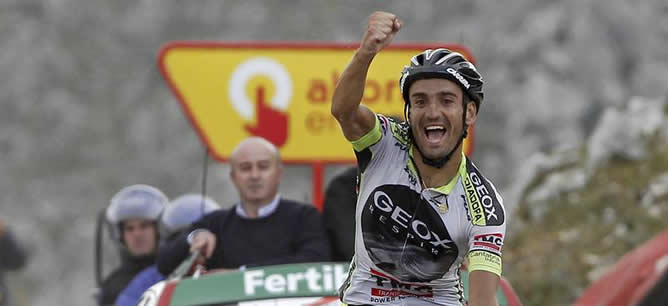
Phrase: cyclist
x=133 y=217
x=422 y=206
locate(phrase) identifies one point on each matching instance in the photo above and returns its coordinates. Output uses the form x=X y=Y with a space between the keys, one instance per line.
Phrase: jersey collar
x=444 y=189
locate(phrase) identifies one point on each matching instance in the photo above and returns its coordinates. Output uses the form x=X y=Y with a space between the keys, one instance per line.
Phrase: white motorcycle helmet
x=135 y=201
x=185 y=210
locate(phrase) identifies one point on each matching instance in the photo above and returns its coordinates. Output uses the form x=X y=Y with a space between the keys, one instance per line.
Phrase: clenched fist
x=380 y=31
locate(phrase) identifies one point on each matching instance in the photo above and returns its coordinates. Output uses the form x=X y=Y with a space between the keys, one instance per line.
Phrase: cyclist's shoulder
x=400 y=131
x=394 y=134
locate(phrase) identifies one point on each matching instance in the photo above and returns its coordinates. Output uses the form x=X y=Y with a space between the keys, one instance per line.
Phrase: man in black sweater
x=263 y=229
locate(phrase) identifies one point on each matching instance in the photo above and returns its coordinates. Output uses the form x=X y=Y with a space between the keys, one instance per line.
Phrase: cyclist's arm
x=486 y=236
x=482 y=288
x=356 y=120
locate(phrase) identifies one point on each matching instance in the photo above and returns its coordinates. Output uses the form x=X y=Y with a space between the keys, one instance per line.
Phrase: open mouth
x=434 y=133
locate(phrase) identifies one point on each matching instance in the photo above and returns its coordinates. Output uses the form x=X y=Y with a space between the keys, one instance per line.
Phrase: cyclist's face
x=436 y=115
x=256 y=172
x=139 y=236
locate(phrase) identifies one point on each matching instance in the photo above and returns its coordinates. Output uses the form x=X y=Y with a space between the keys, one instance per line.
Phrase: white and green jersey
x=410 y=241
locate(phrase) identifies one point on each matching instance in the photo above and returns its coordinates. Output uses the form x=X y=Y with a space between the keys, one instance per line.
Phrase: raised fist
x=380 y=31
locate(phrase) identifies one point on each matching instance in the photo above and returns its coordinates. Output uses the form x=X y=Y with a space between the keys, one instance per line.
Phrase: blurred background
x=572 y=131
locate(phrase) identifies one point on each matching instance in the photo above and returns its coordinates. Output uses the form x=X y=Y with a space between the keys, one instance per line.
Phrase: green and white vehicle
x=282 y=285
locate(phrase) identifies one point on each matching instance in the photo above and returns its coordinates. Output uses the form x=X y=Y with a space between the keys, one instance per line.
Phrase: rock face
x=623 y=133
x=85 y=111
x=576 y=216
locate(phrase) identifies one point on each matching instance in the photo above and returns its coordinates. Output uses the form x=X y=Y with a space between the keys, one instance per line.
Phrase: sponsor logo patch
x=486 y=258
x=391 y=287
x=403 y=235
x=484 y=207
x=459 y=77
x=488 y=242
x=312 y=279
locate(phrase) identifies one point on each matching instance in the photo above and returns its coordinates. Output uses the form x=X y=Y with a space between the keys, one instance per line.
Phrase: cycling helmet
x=186 y=209
x=135 y=201
x=444 y=64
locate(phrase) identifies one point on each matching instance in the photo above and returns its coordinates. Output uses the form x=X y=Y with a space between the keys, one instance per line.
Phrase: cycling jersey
x=410 y=241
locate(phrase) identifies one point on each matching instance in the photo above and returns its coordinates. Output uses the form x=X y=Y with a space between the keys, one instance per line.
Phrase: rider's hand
x=380 y=31
x=204 y=242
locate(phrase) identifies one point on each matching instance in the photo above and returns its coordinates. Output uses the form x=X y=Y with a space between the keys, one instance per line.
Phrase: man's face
x=436 y=110
x=256 y=173
x=139 y=236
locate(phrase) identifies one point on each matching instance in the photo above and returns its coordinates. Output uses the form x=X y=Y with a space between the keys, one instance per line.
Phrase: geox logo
x=402 y=219
x=459 y=77
x=483 y=205
x=394 y=228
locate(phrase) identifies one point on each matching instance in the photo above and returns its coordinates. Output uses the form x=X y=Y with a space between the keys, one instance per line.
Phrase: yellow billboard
x=280 y=91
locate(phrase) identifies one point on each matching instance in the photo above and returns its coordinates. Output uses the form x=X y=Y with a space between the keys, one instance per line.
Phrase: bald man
x=262 y=229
